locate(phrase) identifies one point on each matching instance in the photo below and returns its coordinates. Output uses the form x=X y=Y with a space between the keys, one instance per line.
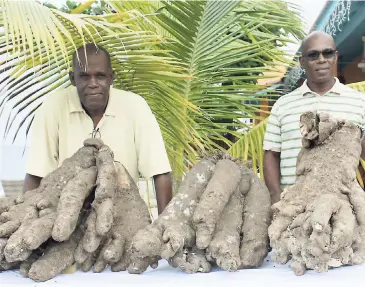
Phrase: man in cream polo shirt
x=122 y=119
x=321 y=92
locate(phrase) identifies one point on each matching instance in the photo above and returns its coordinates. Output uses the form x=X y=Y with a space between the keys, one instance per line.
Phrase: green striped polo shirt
x=282 y=131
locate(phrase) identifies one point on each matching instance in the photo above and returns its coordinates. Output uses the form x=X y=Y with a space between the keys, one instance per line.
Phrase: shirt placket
x=319 y=104
x=97 y=130
x=88 y=123
x=89 y=126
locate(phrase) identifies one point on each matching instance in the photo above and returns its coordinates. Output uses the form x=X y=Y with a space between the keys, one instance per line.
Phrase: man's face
x=319 y=59
x=93 y=80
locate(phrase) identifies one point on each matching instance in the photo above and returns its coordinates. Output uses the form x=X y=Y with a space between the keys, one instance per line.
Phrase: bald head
x=91 y=49
x=319 y=58
x=315 y=37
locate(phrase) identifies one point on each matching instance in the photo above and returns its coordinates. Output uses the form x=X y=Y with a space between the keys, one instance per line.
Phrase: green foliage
x=196 y=63
x=97 y=8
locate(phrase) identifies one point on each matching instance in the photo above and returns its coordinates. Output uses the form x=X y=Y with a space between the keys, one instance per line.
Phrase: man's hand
x=163 y=186
x=272 y=174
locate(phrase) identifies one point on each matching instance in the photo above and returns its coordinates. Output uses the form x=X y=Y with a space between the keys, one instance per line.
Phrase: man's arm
x=152 y=157
x=272 y=147
x=361 y=169
x=31 y=182
x=272 y=174
x=43 y=144
x=163 y=186
x=362 y=149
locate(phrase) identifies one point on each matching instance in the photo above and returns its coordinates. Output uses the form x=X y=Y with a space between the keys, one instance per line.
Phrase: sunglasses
x=314 y=55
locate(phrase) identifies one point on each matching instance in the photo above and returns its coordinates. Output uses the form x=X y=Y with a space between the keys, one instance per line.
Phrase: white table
x=270 y=274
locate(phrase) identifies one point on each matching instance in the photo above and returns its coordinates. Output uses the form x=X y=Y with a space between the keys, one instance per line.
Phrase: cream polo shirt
x=283 y=133
x=128 y=127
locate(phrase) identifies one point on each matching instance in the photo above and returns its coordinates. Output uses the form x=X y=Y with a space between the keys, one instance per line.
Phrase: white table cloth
x=270 y=274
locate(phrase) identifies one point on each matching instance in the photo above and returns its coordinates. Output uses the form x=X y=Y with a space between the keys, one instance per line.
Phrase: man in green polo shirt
x=321 y=92
x=91 y=105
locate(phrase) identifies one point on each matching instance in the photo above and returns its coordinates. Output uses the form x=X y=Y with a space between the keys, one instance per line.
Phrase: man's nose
x=321 y=59
x=93 y=82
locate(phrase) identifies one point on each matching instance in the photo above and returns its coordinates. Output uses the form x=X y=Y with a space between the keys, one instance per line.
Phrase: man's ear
x=71 y=76
x=336 y=56
x=301 y=61
x=112 y=77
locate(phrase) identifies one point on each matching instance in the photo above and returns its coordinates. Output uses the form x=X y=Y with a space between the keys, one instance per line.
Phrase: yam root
x=224 y=248
x=214 y=199
x=47 y=262
x=191 y=260
x=29 y=222
x=53 y=209
x=134 y=216
x=3 y=242
x=53 y=257
x=256 y=220
x=100 y=220
x=172 y=231
x=202 y=224
x=89 y=213
x=319 y=221
x=4 y=265
x=105 y=190
x=130 y=214
x=27 y=264
x=70 y=203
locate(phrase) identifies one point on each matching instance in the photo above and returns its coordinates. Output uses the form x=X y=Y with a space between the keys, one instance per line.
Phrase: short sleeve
x=43 y=142
x=272 y=138
x=151 y=151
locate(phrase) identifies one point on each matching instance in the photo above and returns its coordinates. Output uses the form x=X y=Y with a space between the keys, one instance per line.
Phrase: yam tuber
x=130 y=213
x=100 y=219
x=191 y=260
x=89 y=212
x=256 y=220
x=29 y=222
x=70 y=203
x=172 y=231
x=214 y=199
x=209 y=210
x=224 y=248
x=314 y=222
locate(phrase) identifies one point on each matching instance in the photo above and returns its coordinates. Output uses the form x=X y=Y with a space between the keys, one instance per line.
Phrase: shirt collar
x=336 y=89
x=76 y=107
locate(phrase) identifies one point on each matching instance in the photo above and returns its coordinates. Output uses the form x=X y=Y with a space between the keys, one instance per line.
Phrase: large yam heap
x=319 y=222
x=89 y=212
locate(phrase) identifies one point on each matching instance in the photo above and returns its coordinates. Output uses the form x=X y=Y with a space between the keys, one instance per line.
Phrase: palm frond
x=36 y=55
x=225 y=46
x=360 y=86
x=82 y=7
x=249 y=147
x=195 y=62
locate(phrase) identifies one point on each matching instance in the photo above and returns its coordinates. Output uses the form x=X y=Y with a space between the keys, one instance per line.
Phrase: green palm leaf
x=249 y=147
x=195 y=62
x=38 y=52
x=211 y=40
x=360 y=86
